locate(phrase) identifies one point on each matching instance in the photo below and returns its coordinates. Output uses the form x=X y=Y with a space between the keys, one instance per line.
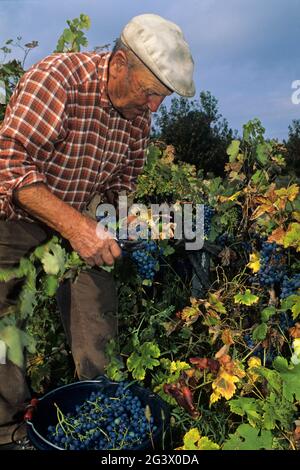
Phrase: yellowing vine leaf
x=289 y=193
x=193 y=441
x=223 y=386
x=254 y=263
x=292 y=236
x=246 y=299
x=231 y=198
x=277 y=236
x=253 y=363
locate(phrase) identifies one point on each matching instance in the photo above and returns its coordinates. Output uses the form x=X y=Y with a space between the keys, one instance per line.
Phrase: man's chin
x=131 y=113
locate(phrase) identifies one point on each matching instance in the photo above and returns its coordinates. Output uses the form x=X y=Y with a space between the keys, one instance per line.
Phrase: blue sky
x=246 y=52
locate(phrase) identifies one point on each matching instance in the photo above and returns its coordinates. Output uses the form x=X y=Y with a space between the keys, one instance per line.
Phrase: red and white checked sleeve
x=135 y=158
x=34 y=121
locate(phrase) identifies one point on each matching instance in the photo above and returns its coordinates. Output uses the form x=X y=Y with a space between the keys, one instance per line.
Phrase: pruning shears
x=130 y=245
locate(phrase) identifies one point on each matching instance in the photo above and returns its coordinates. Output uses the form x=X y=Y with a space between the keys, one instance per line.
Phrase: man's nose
x=154 y=101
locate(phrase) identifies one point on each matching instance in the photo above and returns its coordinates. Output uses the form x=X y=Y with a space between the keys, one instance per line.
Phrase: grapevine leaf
x=260 y=177
x=296 y=308
x=246 y=406
x=233 y=150
x=254 y=263
x=277 y=236
x=216 y=304
x=289 y=193
x=290 y=377
x=262 y=151
x=223 y=386
x=246 y=299
x=16 y=340
x=206 y=444
x=142 y=359
x=115 y=371
x=16 y=273
x=54 y=262
x=190 y=439
x=50 y=285
x=272 y=376
x=260 y=332
x=292 y=236
x=267 y=313
x=193 y=441
x=27 y=302
x=289 y=302
x=277 y=409
x=248 y=438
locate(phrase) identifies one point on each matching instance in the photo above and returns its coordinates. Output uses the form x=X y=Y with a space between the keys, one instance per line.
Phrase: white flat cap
x=161 y=46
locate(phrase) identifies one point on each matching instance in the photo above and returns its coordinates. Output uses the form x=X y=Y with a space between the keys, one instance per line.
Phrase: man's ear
x=118 y=64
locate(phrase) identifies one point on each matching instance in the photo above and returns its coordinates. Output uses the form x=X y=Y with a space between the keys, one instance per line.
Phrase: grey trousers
x=87 y=307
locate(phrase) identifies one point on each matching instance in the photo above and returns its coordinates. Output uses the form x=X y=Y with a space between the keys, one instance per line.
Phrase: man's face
x=134 y=90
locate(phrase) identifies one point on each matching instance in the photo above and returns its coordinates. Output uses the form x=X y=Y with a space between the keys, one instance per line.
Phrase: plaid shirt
x=61 y=129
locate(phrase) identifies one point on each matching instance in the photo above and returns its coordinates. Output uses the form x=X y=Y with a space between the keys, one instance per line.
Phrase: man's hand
x=94 y=244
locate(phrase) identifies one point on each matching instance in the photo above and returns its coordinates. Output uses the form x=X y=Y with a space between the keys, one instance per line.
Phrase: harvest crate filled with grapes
x=214 y=332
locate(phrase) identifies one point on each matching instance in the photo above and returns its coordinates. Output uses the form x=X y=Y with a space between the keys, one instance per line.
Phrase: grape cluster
x=286 y=321
x=272 y=265
x=146 y=260
x=224 y=239
x=209 y=212
x=290 y=285
x=103 y=422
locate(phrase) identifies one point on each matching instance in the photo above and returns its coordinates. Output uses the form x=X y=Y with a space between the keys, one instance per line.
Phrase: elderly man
x=77 y=125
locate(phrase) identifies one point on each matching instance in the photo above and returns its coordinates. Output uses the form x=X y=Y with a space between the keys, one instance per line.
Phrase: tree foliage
x=197 y=131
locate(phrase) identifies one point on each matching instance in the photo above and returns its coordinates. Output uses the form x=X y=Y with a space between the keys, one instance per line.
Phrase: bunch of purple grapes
x=272 y=265
x=290 y=285
x=209 y=212
x=146 y=260
x=103 y=422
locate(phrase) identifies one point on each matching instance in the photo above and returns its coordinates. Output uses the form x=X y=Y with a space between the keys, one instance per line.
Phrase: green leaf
x=50 y=285
x=206 y=444
x=233 y=150
x=54 y=263
x=280 y=364
x=267 y=313
x=248 y=438
x=142 y=359
x=260 y=332
x=68 y=35
x=193 y=441
x=16 y=341
x=246 y=406
x=259 y=177
x=28 y=301
x=190 y=439
x=216 y=304
x=292 y=303
x=272 y=376
x=115 y=370
x=262 y=151
x=85 y=21
x=277 y=409
x=246 y=299
x=16 y=273
x=167 y=249
x=290 y=377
